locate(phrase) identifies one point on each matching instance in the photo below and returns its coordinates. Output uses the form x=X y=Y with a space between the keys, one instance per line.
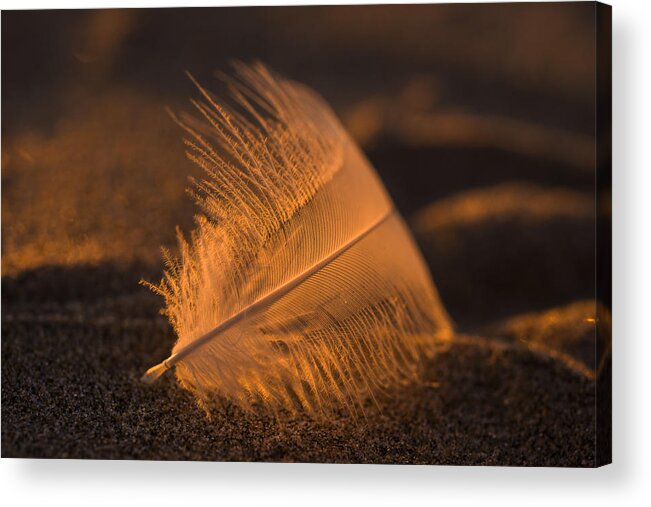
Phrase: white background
x=626 y=482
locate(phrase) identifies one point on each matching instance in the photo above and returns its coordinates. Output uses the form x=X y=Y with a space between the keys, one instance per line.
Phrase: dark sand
x=71 y=389
x=75 y=342
x=92 y=184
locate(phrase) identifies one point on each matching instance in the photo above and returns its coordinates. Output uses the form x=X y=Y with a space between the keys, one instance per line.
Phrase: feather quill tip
x=154 y=373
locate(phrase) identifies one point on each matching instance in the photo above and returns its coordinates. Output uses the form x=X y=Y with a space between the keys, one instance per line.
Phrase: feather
x=301 y=289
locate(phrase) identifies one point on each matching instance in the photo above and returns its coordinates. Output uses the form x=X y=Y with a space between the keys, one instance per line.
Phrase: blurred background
x=479 y=118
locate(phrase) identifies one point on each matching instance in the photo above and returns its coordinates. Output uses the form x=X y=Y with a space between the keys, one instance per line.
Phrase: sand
x=71 y=389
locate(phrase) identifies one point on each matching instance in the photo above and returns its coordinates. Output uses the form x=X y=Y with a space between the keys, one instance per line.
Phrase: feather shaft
x=157 y=371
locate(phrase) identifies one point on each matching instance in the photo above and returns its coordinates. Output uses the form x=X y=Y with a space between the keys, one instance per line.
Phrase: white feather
x=301 y=288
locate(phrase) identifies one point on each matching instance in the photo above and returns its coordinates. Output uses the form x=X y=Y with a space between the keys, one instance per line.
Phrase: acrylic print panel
x=395 y=247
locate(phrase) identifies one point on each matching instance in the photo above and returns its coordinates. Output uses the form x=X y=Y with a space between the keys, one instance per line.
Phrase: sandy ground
x=71 y=389
x=75 y=342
